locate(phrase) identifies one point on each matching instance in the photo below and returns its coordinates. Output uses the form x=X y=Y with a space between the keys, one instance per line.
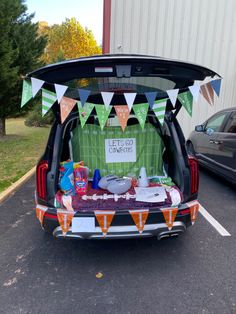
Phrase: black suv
x=120 y=74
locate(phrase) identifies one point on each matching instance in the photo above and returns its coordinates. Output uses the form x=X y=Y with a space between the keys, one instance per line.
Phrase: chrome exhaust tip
x=170 y=234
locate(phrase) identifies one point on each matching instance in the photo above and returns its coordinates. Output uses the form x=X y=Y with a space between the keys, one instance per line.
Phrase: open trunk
x=153 y=147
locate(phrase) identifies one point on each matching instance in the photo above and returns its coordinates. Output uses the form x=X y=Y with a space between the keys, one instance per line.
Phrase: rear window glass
x=130 y=84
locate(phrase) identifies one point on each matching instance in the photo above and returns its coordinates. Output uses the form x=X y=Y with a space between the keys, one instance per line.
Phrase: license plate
x=83 y=224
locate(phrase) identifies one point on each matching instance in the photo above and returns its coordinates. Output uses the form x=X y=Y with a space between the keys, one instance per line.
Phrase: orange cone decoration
x=208 y=93
x=40 y=211
x=139 y=218
x=64 y=218
x=169 y=215
x=122 y=113
x=104 y=219
x=194 y=208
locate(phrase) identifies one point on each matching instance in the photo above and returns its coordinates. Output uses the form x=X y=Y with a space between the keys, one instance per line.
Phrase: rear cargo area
x=121 y=154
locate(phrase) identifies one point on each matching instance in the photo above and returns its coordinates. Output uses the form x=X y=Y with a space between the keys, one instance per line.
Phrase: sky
x=88 y=12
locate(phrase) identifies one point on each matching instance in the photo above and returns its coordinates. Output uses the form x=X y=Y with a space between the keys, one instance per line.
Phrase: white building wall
x=198 y=31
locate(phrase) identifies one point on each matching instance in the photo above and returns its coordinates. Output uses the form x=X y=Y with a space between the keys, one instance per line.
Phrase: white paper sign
x=120 y=150
x=83 y=224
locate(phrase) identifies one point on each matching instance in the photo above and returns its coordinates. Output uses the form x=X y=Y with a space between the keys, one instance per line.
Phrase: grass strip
x=20 y=150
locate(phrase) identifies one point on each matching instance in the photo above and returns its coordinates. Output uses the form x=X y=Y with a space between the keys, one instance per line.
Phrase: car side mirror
x=199 y=128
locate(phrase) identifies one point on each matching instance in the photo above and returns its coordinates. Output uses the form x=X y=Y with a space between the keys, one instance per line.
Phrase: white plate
x=83 y=224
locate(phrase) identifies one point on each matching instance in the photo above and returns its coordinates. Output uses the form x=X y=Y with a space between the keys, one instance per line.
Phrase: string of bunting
x=186 y=98
x=105 y=217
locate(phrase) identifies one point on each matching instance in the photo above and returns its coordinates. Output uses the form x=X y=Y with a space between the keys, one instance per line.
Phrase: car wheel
x=190 y=149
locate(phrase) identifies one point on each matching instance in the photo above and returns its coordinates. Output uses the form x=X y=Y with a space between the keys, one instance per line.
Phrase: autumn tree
x=20 y=50
x=67 y=41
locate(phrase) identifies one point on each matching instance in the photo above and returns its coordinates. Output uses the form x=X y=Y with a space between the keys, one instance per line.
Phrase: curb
x=16 y=185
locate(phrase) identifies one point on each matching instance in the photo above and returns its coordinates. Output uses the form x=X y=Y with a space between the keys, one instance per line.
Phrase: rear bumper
x=123 y=225
x=126 y=232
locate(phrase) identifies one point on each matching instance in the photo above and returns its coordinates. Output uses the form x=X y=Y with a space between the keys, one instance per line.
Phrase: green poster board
x=88 y=144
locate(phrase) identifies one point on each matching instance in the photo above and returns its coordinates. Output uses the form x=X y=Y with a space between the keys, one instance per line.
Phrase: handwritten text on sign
x=120 y=150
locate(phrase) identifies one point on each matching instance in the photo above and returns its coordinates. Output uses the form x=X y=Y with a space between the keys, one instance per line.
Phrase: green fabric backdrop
x=88 y=144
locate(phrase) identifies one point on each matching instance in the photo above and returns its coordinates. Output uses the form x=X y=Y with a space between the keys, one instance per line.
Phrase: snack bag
x=81 y=180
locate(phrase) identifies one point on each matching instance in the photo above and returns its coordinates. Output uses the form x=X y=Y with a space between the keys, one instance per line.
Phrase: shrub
x=35 y=118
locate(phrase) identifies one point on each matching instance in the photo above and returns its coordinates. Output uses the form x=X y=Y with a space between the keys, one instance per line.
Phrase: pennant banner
x=173 y=94
x=216 y=84
x=104 y=219
x=130 y=97
x=151 y=96
x=83 y=95
x=84 y=112
x=169 y=215
x=102 y=114
x=122 y=113
x=31 y=88
x=64 y=219
x=141 y=111
x=40 y=212
x=208 y=93
x=194 y=208
x=186 y=99
x=107 y=97
x=139 y=218
x=159 y=109
x=195 y=90
x=36 y=85
x=66 y=105
x=60 y=91
x=26 y=93
x=48 y=99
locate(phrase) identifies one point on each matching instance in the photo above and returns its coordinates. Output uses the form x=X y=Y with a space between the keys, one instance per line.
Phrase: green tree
x=68 y=40
x=20 y=51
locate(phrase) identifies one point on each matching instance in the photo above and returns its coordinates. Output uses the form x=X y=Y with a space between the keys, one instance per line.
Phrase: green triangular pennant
x=186 y=100
x=159 y=108
x=48 y=99
x=84 y=112
x=102 y=114
x=141 y=111
x=26 y=93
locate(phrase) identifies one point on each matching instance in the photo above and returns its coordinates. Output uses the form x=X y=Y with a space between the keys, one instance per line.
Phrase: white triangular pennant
x=107 y=97
x=195 y=90
x=36 y=85
x=130 y=97
x=60 y=91
x=173 y=94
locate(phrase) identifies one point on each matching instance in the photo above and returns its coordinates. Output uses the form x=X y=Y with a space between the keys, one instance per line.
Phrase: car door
x=226 y=147
x=206 y=142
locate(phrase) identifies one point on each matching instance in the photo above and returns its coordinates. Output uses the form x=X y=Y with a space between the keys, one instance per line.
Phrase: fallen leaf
x=99 y=275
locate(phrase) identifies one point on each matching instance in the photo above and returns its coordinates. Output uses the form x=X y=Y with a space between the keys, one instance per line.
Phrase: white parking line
x=222 y=231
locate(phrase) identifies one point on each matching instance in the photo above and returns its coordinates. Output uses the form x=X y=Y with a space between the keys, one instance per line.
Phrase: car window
x=215 y=122
x=231 y=125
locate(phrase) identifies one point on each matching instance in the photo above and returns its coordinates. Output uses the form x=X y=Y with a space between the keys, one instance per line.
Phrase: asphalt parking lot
x=195 y=273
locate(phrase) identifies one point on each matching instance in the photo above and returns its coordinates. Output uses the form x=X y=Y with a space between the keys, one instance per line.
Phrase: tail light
x=41 y=179
x=194 y=171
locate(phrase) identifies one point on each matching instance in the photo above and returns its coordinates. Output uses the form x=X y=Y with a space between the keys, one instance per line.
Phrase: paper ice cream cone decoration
x=65 y=219
x=40 y=212
x=139 y=218
x=169 y=215
x=194 y=208
x=104 y=219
